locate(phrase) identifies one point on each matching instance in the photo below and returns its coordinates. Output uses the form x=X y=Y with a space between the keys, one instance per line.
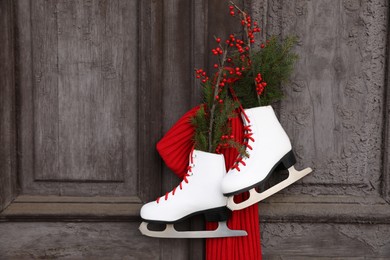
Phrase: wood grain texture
x=337 y=92
x=333 y=110
x=305 y=241
x=336 y=112
x=8 y=187
x=70 y=211
x=84 y=63
x=78 y=109
x=386 y=130
x=76 y=241
x=177 y=80
x=325 y=209
x=149 y=98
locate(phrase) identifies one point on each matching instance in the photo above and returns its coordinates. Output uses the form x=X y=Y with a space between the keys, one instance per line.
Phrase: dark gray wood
x=78 y=108
x=306 y=241
x=76 y=241
x=177 y=77
x=149 y=98
x=333 y=109
x=199 y=22
x=324 y=209
x=386 y=129
x=8 y=187
x=70 y=208
x=336 y=112
x=84 y=90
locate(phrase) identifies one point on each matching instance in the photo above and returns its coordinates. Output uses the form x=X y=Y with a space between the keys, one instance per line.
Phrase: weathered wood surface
x=177 y=68
x=334 y=105
x=386 y=129
x=336 y=112
x=7 y=107
x=325 y=209
x=123 y=241
x=149 y=98
x=78 y=80
x=76 y=241
x=306 y=241
x=68 y=208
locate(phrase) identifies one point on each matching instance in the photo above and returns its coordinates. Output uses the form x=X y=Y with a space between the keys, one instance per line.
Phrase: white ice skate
x=268 y=147
x=198 y=193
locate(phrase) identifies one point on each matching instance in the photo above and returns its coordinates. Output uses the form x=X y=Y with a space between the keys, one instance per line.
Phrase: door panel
x=336 y=112
x=79 y=106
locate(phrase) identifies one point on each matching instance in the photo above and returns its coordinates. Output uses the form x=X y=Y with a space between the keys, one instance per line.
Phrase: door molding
x=56 y=208
x=8 y=182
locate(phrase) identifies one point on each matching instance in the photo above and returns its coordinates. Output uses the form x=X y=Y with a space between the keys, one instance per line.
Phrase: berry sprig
x=260 y=84
x=244 y=76
x=250 y=30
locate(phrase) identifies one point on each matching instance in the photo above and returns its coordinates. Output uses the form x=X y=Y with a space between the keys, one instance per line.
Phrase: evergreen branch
x=216 y=88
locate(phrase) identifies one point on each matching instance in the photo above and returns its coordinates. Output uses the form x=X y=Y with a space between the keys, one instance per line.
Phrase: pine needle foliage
x=275 y=62
x=223 y=112
x=245 y=77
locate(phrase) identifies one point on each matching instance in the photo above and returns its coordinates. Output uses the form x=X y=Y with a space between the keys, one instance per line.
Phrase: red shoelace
x=247 y=136
x=189 y=173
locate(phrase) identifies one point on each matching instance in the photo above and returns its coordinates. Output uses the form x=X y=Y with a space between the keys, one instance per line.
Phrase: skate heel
x=287 y=161
x=217 y=215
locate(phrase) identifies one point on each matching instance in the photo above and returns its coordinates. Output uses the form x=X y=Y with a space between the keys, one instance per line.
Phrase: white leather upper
x=270 y=144
x=202 y=192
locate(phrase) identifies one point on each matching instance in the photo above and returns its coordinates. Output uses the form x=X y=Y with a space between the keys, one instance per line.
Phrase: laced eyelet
x=248 y=138
x=185 y=180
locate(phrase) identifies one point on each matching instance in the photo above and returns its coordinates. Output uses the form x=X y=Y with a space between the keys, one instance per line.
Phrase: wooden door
x=87 y=95
x=89 y=87
x=336 y=112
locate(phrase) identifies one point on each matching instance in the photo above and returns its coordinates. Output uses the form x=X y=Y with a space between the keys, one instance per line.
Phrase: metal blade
x=255 y=196
x=170 y=232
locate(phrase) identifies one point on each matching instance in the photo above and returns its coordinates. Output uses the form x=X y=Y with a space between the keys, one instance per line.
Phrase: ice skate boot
x=268 y=147
x=198 y=193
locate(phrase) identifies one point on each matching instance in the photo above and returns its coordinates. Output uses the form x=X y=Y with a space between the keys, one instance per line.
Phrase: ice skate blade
x=170 y=232
x=255 y=197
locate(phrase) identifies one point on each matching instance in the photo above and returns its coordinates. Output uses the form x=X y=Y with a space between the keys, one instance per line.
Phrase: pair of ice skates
x=207 y=189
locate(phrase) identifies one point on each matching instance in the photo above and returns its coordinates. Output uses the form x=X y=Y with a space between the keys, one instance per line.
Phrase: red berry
x=218 y=40
x=262 y=46
x=232 y=13
x=231 y=7
x=215 y=65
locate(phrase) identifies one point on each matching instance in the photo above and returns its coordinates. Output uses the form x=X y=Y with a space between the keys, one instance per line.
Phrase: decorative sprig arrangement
x=245 y=76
